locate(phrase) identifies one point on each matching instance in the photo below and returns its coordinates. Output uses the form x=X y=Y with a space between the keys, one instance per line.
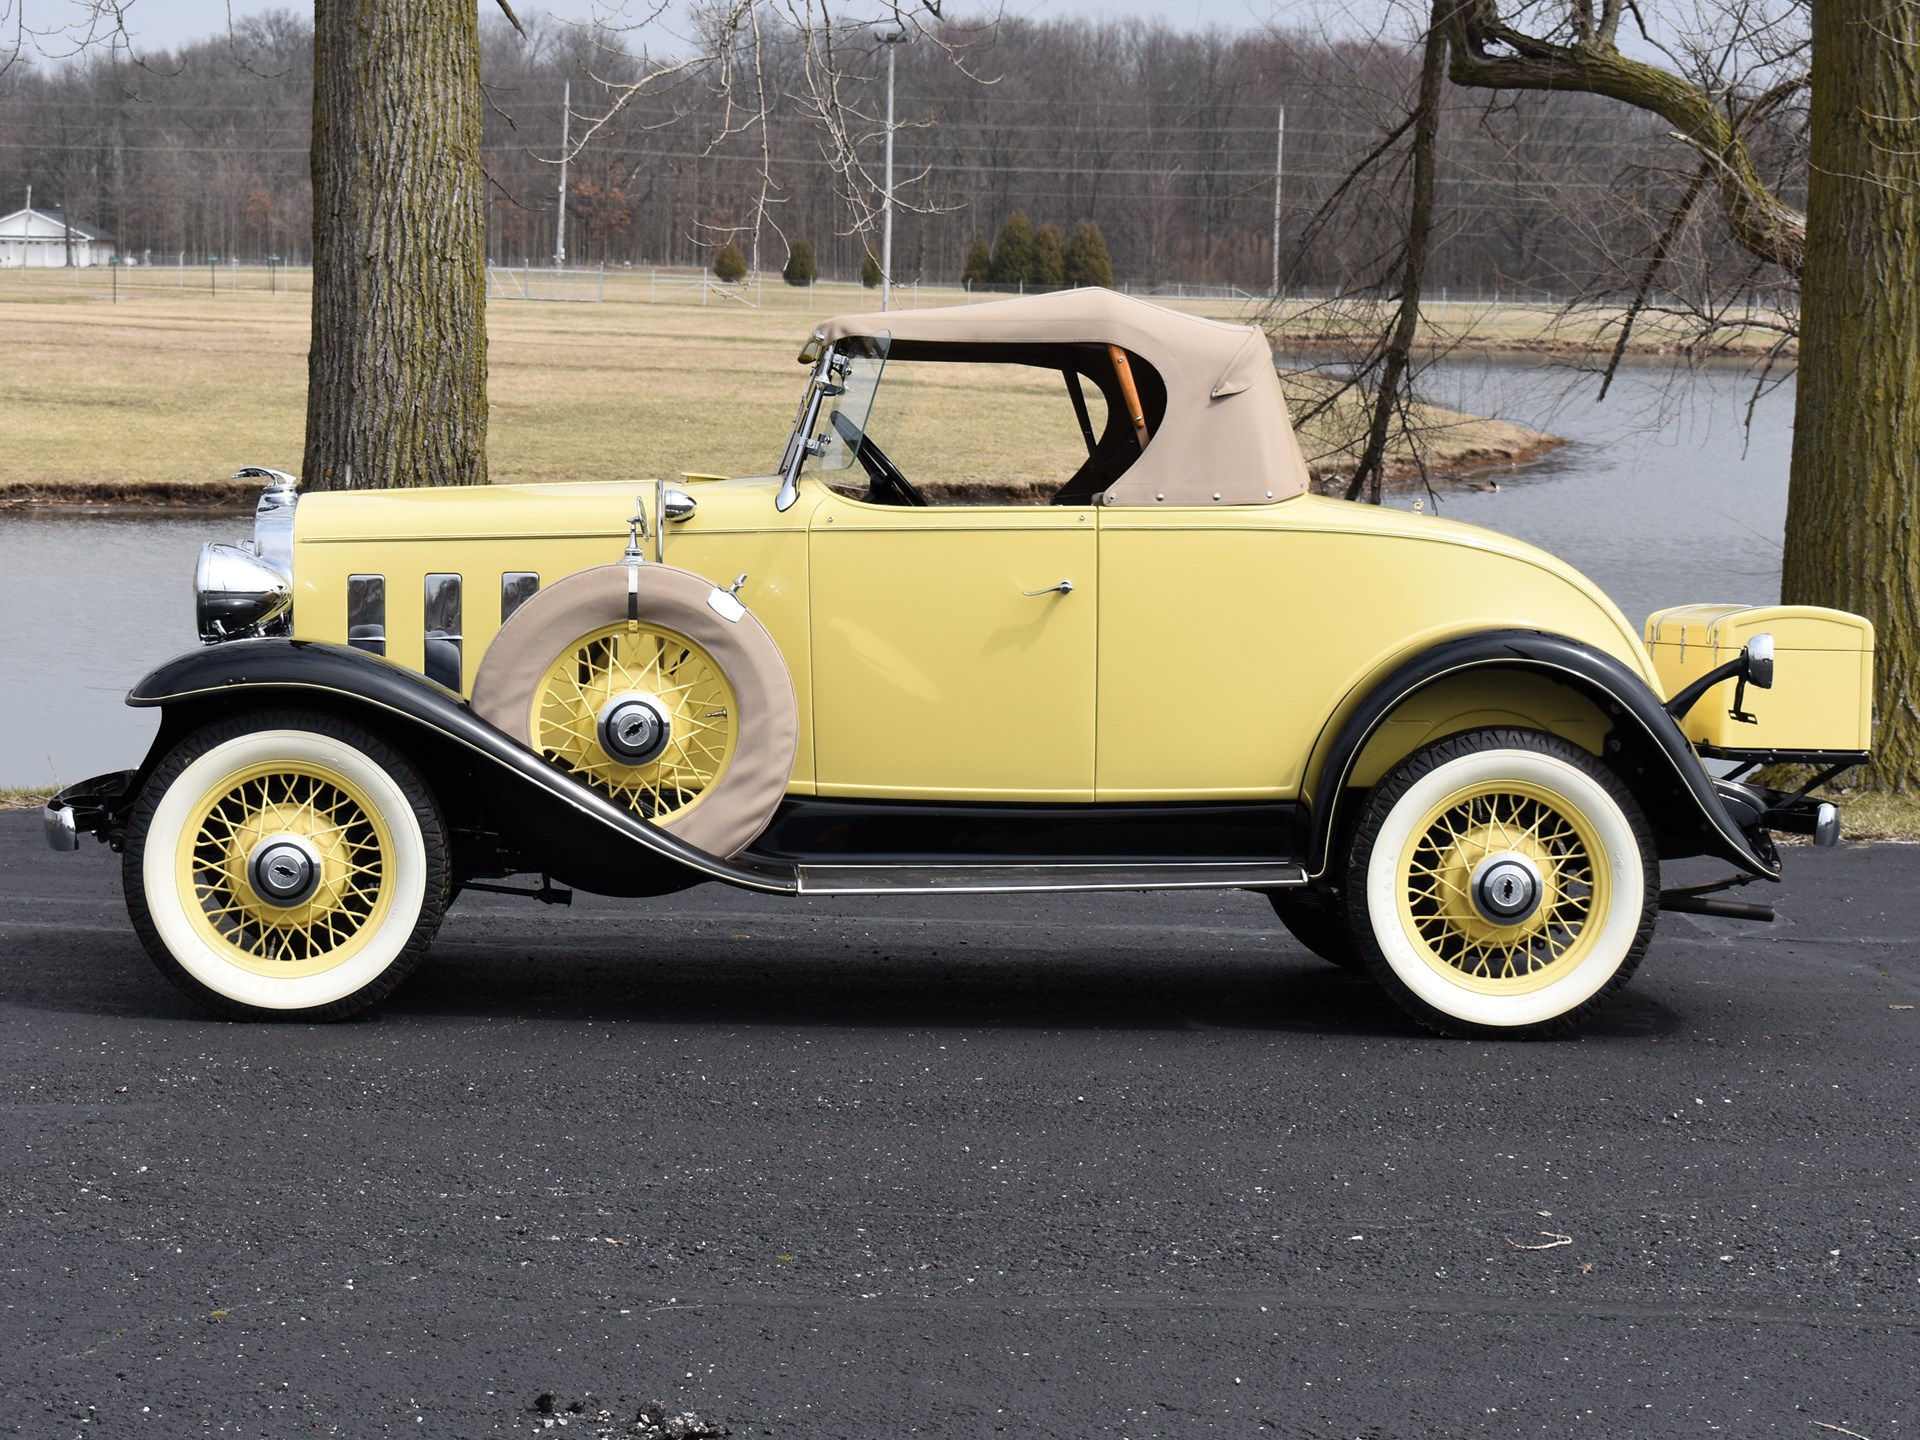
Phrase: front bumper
x=92 y=807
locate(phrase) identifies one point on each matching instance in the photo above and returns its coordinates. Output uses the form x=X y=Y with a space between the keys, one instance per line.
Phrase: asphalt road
x=1051 y=1167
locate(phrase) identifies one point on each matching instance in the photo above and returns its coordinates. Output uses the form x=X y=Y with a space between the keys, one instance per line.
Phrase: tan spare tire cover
x=753 y=778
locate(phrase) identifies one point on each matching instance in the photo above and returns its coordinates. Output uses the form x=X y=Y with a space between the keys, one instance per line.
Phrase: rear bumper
x=1755 y=807
x=93 y=807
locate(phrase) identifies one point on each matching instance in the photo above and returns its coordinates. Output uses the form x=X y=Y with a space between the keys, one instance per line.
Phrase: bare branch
x=1489 y=53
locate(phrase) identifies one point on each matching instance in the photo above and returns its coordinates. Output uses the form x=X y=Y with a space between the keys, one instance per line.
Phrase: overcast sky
x=162 y=24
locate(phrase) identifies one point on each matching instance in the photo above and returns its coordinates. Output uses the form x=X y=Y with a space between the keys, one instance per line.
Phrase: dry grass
x=1872 y=816
x=176 y=386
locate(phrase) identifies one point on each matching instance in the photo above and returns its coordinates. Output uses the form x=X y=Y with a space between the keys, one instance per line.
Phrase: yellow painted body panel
x=482 y=532
x=1201 y=654
x=935 y=675
x=1229 y=640
x=1822 y=695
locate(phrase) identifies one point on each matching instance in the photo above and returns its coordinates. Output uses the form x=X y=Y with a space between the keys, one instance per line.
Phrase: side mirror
x=1760 y=661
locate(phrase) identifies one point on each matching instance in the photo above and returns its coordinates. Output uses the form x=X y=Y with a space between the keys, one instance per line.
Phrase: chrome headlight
x=236 y=593
x=247 y=589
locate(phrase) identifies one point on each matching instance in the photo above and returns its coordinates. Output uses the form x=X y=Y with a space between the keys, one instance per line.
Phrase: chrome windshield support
x=798 y=448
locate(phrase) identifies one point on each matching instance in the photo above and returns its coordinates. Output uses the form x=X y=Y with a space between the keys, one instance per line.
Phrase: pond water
x=1661 y=497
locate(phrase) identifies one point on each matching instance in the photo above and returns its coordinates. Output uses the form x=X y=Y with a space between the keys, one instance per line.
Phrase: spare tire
x=657 y=690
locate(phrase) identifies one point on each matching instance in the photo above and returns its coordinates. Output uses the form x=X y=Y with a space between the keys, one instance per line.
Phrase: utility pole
x=886 y=210
x=1279 y=171
x=566 y=138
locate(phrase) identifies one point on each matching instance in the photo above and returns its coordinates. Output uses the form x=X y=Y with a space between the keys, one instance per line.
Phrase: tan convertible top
x=1225 y=437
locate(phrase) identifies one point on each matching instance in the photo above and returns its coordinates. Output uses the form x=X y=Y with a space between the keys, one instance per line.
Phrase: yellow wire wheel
x=655 y=689
x=287 y=864
x=640 y=713
x=1464 y=839
x=1508 y=883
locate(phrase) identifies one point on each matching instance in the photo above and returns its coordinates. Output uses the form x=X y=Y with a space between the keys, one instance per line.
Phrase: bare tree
x=1393 y=393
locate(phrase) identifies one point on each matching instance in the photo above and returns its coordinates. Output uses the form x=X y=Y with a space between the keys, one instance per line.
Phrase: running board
x=963 y=879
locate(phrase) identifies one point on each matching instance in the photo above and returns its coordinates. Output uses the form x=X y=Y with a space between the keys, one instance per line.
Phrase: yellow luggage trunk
x=1822 y=695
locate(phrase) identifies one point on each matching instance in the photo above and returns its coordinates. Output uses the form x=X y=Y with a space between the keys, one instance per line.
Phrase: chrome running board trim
x=1013 y=879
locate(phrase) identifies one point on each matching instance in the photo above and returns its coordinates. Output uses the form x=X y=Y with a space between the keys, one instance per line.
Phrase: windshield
x=833 y=412
x=857 y=363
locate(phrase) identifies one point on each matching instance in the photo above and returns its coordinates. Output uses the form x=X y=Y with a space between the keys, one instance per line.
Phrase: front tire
x=286 y=866
x=1502 y=883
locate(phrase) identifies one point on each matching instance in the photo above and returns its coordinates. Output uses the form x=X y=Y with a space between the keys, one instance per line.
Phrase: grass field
x=185 y=376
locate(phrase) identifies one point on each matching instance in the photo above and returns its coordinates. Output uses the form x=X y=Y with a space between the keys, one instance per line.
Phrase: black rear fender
x=1634 y=733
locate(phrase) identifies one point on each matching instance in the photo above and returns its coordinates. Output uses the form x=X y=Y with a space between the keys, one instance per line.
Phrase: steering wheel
x=882 y=474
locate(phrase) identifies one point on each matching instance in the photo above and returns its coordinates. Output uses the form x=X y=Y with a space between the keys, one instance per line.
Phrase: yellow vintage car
x=1156 y=663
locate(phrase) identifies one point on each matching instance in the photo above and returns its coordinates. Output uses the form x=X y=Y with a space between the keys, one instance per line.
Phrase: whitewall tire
x=286 y=865
x=1502 y=882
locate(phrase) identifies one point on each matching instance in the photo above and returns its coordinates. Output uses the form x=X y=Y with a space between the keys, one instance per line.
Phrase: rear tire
x=286 y=866
x=1502 y=883
x=1318 y=922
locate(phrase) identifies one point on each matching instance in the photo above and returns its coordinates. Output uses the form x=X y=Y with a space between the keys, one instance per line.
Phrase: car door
x=1211 y=654
x=953 y=651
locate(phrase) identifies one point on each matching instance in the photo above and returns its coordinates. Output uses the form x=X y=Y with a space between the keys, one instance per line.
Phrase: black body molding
x=1689 y=810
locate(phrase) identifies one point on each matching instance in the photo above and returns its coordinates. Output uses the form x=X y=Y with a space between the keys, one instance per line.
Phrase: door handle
x=1065 y=587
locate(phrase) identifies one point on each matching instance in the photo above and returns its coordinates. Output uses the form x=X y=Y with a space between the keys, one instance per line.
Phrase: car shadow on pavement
x=1280 y=990
x=1288 y=992
x=1005 y=988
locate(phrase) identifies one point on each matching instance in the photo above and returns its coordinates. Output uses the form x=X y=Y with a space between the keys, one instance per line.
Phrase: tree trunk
x=397 y=371
x=1851 y=538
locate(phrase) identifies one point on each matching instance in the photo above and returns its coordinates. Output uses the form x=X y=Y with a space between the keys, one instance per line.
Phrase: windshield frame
x=832 y=378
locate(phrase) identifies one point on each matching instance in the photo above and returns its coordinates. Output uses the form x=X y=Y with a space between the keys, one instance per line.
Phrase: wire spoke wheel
x=1501 y=882
x=1457 y=840
x=320 y=820
x=656 y=690
x=286 y=864
x=669 y=685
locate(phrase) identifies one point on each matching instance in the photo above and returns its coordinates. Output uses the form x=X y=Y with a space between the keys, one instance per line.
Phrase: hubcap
x=634 y=728
x=284 y=871
x=1506 y=888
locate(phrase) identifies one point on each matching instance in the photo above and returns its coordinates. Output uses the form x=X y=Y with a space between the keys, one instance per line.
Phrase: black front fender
x=1642 y=726
x=555 y=823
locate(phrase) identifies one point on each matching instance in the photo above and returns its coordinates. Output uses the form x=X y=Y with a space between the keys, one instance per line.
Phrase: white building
x=47 y=238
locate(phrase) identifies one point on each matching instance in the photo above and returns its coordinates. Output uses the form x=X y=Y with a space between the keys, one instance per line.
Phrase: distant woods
x=1157 y=144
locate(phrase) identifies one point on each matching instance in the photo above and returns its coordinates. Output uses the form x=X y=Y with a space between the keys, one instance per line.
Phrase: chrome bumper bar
x=93 y=807
x=62 y=832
